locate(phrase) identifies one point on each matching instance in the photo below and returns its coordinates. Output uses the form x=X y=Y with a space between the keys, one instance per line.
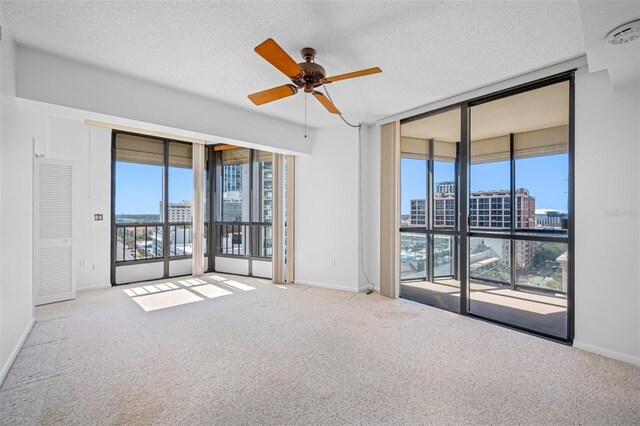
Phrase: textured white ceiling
x=427 y=50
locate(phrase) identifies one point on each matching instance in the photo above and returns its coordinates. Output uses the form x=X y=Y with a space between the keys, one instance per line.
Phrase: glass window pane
x=264 y=175
x=542 y=265
x=413 y=192
x=206 y=200
x=139 y=170
x=265 y=238
x=489 y=260
x=443 y=255
x=444 y=194
x=413 y=256
x=232 y=239
x=538 y=300
x=180 y=206
x=433 y=138
x=181 y=239
x=120 y=244
x=235 y=185
x=542 y=167
x=490 y=182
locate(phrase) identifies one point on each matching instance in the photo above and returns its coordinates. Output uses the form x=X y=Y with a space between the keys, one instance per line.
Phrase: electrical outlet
x=83 y=263
x=332 y=262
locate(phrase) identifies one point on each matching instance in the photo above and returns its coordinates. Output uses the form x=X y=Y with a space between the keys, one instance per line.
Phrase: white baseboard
x=93 y=287
x=634 y=360
x=14 y=353
x=329 y=286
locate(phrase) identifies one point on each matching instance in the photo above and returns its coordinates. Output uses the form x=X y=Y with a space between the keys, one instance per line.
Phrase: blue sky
x=544 y=177
x=139 y=187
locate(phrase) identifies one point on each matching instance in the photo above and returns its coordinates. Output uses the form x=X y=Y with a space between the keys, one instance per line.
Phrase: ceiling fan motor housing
x=313 y=73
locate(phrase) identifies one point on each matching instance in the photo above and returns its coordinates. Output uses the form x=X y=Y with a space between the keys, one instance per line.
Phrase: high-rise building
x=491 y=209
x=236 y=193
x=446 y=187
x=444 y=210
x=266 y=205
x=232 y=206
x=232 y=177
x=266 y=192
x=418 y=212
x=178 y=212
x=487 y=210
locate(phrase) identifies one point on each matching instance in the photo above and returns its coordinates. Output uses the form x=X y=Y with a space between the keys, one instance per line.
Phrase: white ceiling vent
x=625 y=33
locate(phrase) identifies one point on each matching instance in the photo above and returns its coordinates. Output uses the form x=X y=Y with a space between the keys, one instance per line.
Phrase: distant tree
x=547 y=252
x=500 y=271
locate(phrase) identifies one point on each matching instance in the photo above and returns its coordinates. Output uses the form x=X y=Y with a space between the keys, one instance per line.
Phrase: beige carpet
x=232 y=350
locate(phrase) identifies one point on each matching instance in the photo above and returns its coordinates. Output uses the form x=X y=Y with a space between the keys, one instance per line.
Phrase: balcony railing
x=146 y=241
x=538 y=265
x=180 y=239
x=231 y=238
x=138 y=242
x=243 y=239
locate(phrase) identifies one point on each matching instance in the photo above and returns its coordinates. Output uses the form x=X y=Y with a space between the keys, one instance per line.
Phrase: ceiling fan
x=306 y=75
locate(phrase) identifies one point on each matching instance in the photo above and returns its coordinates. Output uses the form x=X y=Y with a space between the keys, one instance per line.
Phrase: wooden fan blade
x=354 y=74
x=273 y=94
x=276 y=56
x=327 y=103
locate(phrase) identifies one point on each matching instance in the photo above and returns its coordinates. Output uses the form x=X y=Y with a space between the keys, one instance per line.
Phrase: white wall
x=327 y=210
x=370 y=204
x=232 y=265
x=607 y=247
x=142 y=272
x=90 y=149
x=16 y=226
x=55 y=80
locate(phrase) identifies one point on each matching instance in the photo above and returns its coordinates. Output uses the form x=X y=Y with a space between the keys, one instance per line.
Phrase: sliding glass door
x=487 y=206
x=519 y=204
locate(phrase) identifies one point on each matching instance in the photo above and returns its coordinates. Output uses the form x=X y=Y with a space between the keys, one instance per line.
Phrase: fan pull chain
x=305 y=114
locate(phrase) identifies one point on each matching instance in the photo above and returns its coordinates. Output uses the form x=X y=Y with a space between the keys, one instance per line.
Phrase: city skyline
x=492 y=177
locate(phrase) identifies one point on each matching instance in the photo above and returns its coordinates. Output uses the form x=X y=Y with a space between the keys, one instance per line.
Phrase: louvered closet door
x=54 y=272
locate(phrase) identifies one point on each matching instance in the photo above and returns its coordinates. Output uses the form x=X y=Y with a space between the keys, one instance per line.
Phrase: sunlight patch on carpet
x=153 y=302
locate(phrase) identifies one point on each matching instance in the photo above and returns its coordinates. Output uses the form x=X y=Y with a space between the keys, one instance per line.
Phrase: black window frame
x=250 y=229
x=466 y=204
x=163 y=223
